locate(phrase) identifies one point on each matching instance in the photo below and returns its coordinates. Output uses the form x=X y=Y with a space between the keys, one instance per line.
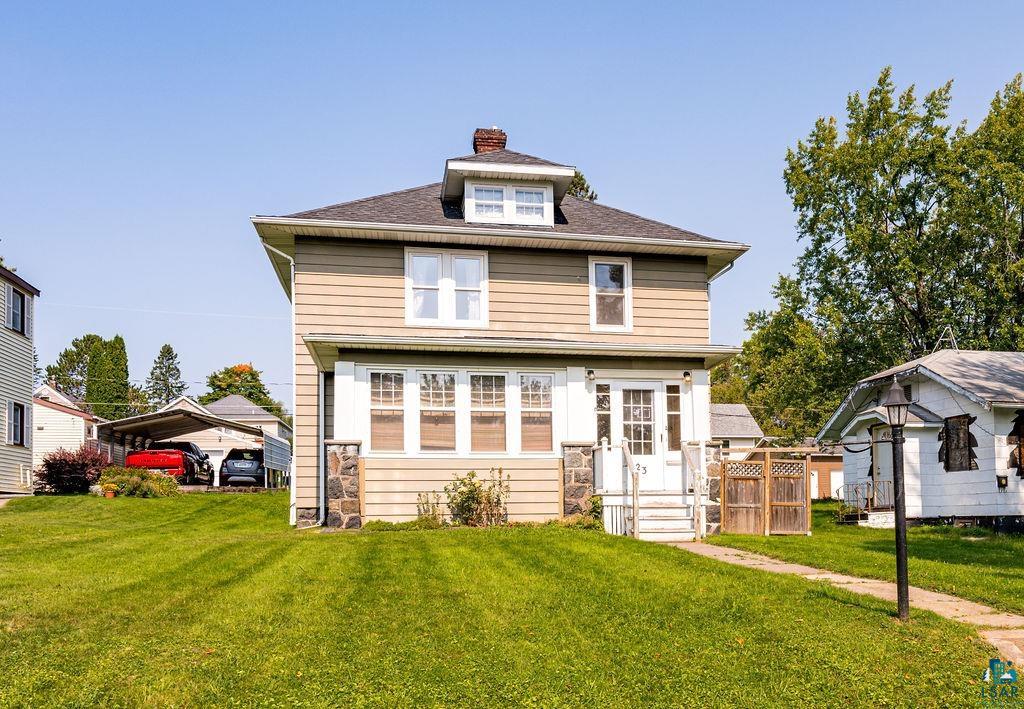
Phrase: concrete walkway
x=1004 y=631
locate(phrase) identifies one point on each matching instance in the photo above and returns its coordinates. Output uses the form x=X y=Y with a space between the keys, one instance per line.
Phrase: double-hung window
x=487 y=412
x=529 y=205
x=611 y=299
x=16 y=424
x=387 y=415
x=446 y=288
x=489 y=202
x=536 y=412
x=437 y=411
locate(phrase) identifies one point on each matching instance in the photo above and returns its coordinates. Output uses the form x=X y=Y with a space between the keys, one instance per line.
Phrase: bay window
x=387 y=416
x=611 y=289
x=535 y=412
x=446 y=288
x=437 y=411
x=487 y=412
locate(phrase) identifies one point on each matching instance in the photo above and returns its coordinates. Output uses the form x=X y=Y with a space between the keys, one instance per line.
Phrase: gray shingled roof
x=423 y=206
x=234 y=406
x=733 y=421
x=508 y=157
x=994 y=377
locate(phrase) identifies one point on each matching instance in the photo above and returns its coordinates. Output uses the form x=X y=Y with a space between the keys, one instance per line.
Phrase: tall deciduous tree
x=164 y=383
x=68 y=373
x=242 y=379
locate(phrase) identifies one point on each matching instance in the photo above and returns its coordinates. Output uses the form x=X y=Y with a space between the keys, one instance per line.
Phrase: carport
x=117 y=438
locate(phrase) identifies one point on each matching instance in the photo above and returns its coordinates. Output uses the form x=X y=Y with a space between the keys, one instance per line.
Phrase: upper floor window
x=16 y=424
x=489 y=201
x=509 y=203
x=611 y=294
x=17 y=314
x=446 y=288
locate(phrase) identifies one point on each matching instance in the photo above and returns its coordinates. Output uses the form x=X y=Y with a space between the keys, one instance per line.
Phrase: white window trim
x=483 y=409
x=551 y=409
x=369 y=407
x=446 y=289
x=627 y=306
x=510 y=216
x=463 y=432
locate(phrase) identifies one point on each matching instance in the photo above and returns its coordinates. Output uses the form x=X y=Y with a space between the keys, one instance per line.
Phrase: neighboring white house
x=963 y=436
x=732 y=426
x=58 y=423
x=238 y=408
x=16 y=374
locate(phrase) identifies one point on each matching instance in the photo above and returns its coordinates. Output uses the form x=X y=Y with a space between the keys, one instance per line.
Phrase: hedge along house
x=487 y=321
x=964 y=436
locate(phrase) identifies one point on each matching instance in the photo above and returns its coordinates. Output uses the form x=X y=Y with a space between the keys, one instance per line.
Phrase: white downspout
x=321 y=502
x=291 y=349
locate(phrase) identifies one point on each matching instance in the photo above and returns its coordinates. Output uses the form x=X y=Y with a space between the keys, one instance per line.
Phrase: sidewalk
x=1004 y=631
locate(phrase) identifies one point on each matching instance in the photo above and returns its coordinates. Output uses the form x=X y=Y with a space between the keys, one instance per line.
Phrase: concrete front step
x=666 y=536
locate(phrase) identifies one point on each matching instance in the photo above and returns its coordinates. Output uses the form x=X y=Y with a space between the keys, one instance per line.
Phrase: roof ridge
x=512 y=152
x=363 y=199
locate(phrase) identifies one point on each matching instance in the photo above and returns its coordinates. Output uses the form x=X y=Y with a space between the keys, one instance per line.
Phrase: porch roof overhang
x=165 y=425
x=320 y=344
x=280 y=233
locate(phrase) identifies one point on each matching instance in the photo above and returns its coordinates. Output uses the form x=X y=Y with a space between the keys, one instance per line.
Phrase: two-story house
x=17 y=366
x=491 y=320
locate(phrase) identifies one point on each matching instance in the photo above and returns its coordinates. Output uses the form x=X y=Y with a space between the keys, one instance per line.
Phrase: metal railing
x=869 y=496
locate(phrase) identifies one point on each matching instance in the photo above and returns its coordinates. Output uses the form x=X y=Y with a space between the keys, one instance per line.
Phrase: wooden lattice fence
x=762 y=495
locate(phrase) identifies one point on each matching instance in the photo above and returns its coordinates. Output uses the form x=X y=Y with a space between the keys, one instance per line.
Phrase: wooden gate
x=762 y=495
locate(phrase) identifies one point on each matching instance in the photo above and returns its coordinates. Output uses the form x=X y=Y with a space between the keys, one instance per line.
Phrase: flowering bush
x=65 y=471
x=478 y=503
x=138 y=482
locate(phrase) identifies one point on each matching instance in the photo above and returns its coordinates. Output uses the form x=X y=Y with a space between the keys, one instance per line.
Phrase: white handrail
x=634 y=472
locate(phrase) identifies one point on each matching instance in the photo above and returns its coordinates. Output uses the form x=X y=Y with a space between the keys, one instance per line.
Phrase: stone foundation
x=577 y=477
x=305 y=517
x=343 y=486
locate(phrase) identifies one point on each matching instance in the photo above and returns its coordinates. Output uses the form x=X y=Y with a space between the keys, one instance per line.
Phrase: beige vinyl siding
x=392 y=484
x=15 y=385
x=53 y=430
x=304 y=448
x=360 y=289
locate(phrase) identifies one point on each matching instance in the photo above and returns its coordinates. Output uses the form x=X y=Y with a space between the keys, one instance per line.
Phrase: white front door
x=637 y=411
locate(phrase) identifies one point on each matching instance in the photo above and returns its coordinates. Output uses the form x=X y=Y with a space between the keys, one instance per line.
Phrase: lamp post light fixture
x=896 y=406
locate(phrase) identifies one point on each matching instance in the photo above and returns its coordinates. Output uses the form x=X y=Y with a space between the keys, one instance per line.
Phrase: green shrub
x=595 y=508
x=478 y=503
x=66 y=471
x=139 y=482
x=584 y=521
x=421 y=523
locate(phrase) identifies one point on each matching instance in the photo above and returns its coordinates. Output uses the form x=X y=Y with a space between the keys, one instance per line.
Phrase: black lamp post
x=896 y=406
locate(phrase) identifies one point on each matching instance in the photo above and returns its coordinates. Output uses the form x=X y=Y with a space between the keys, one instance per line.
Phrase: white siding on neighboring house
x=16 y=366
x=54 y=430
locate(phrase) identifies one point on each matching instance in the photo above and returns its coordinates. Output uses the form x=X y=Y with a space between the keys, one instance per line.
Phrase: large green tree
x=108 y=391
x=164 y=383
x=910 y=226
x=68 y=373
x=579 y=187
x=242 y=379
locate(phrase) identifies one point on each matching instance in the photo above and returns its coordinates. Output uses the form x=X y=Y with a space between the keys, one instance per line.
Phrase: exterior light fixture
x=1002 y=481
x=591 y=375
x=687 y=377
x=896 y=406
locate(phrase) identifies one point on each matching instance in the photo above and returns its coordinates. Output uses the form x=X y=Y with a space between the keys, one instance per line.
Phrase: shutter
x=28 y=315
x=8 y=307
x=27 y=438
x=5 y=411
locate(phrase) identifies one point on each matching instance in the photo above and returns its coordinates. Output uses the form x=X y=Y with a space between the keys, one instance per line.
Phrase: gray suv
x=243 y=466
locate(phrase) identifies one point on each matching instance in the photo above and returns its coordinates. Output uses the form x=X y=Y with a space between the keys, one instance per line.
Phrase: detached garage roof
x=165 y=425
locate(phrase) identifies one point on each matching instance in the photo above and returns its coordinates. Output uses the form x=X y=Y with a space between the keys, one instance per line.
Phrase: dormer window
x=509 y=203
x=530 y=204
x=490 y=202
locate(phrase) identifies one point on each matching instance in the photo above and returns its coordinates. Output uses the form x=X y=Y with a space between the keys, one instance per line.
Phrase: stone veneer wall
x=343 y=486
x=577 y=477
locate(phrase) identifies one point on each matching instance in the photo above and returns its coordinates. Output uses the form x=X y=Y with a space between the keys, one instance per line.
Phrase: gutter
x=291 y=298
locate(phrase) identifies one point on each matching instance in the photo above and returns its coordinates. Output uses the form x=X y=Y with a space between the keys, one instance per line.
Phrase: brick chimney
x=486 y=140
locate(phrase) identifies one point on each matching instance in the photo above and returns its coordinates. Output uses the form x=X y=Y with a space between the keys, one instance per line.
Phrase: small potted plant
x=109 y=490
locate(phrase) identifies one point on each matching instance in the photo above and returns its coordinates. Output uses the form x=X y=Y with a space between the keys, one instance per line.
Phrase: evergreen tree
x=107 y=389
x=164 y=383
x=579 y=187
x=244 y=380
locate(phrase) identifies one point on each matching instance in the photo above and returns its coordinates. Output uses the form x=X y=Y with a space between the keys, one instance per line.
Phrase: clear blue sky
x=137 y=140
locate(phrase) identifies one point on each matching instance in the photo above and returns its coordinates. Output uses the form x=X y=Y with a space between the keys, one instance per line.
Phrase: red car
x=183 y=460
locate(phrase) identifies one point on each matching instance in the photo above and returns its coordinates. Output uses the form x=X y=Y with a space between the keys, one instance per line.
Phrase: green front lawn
x=971 y=563
x=214 y=600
